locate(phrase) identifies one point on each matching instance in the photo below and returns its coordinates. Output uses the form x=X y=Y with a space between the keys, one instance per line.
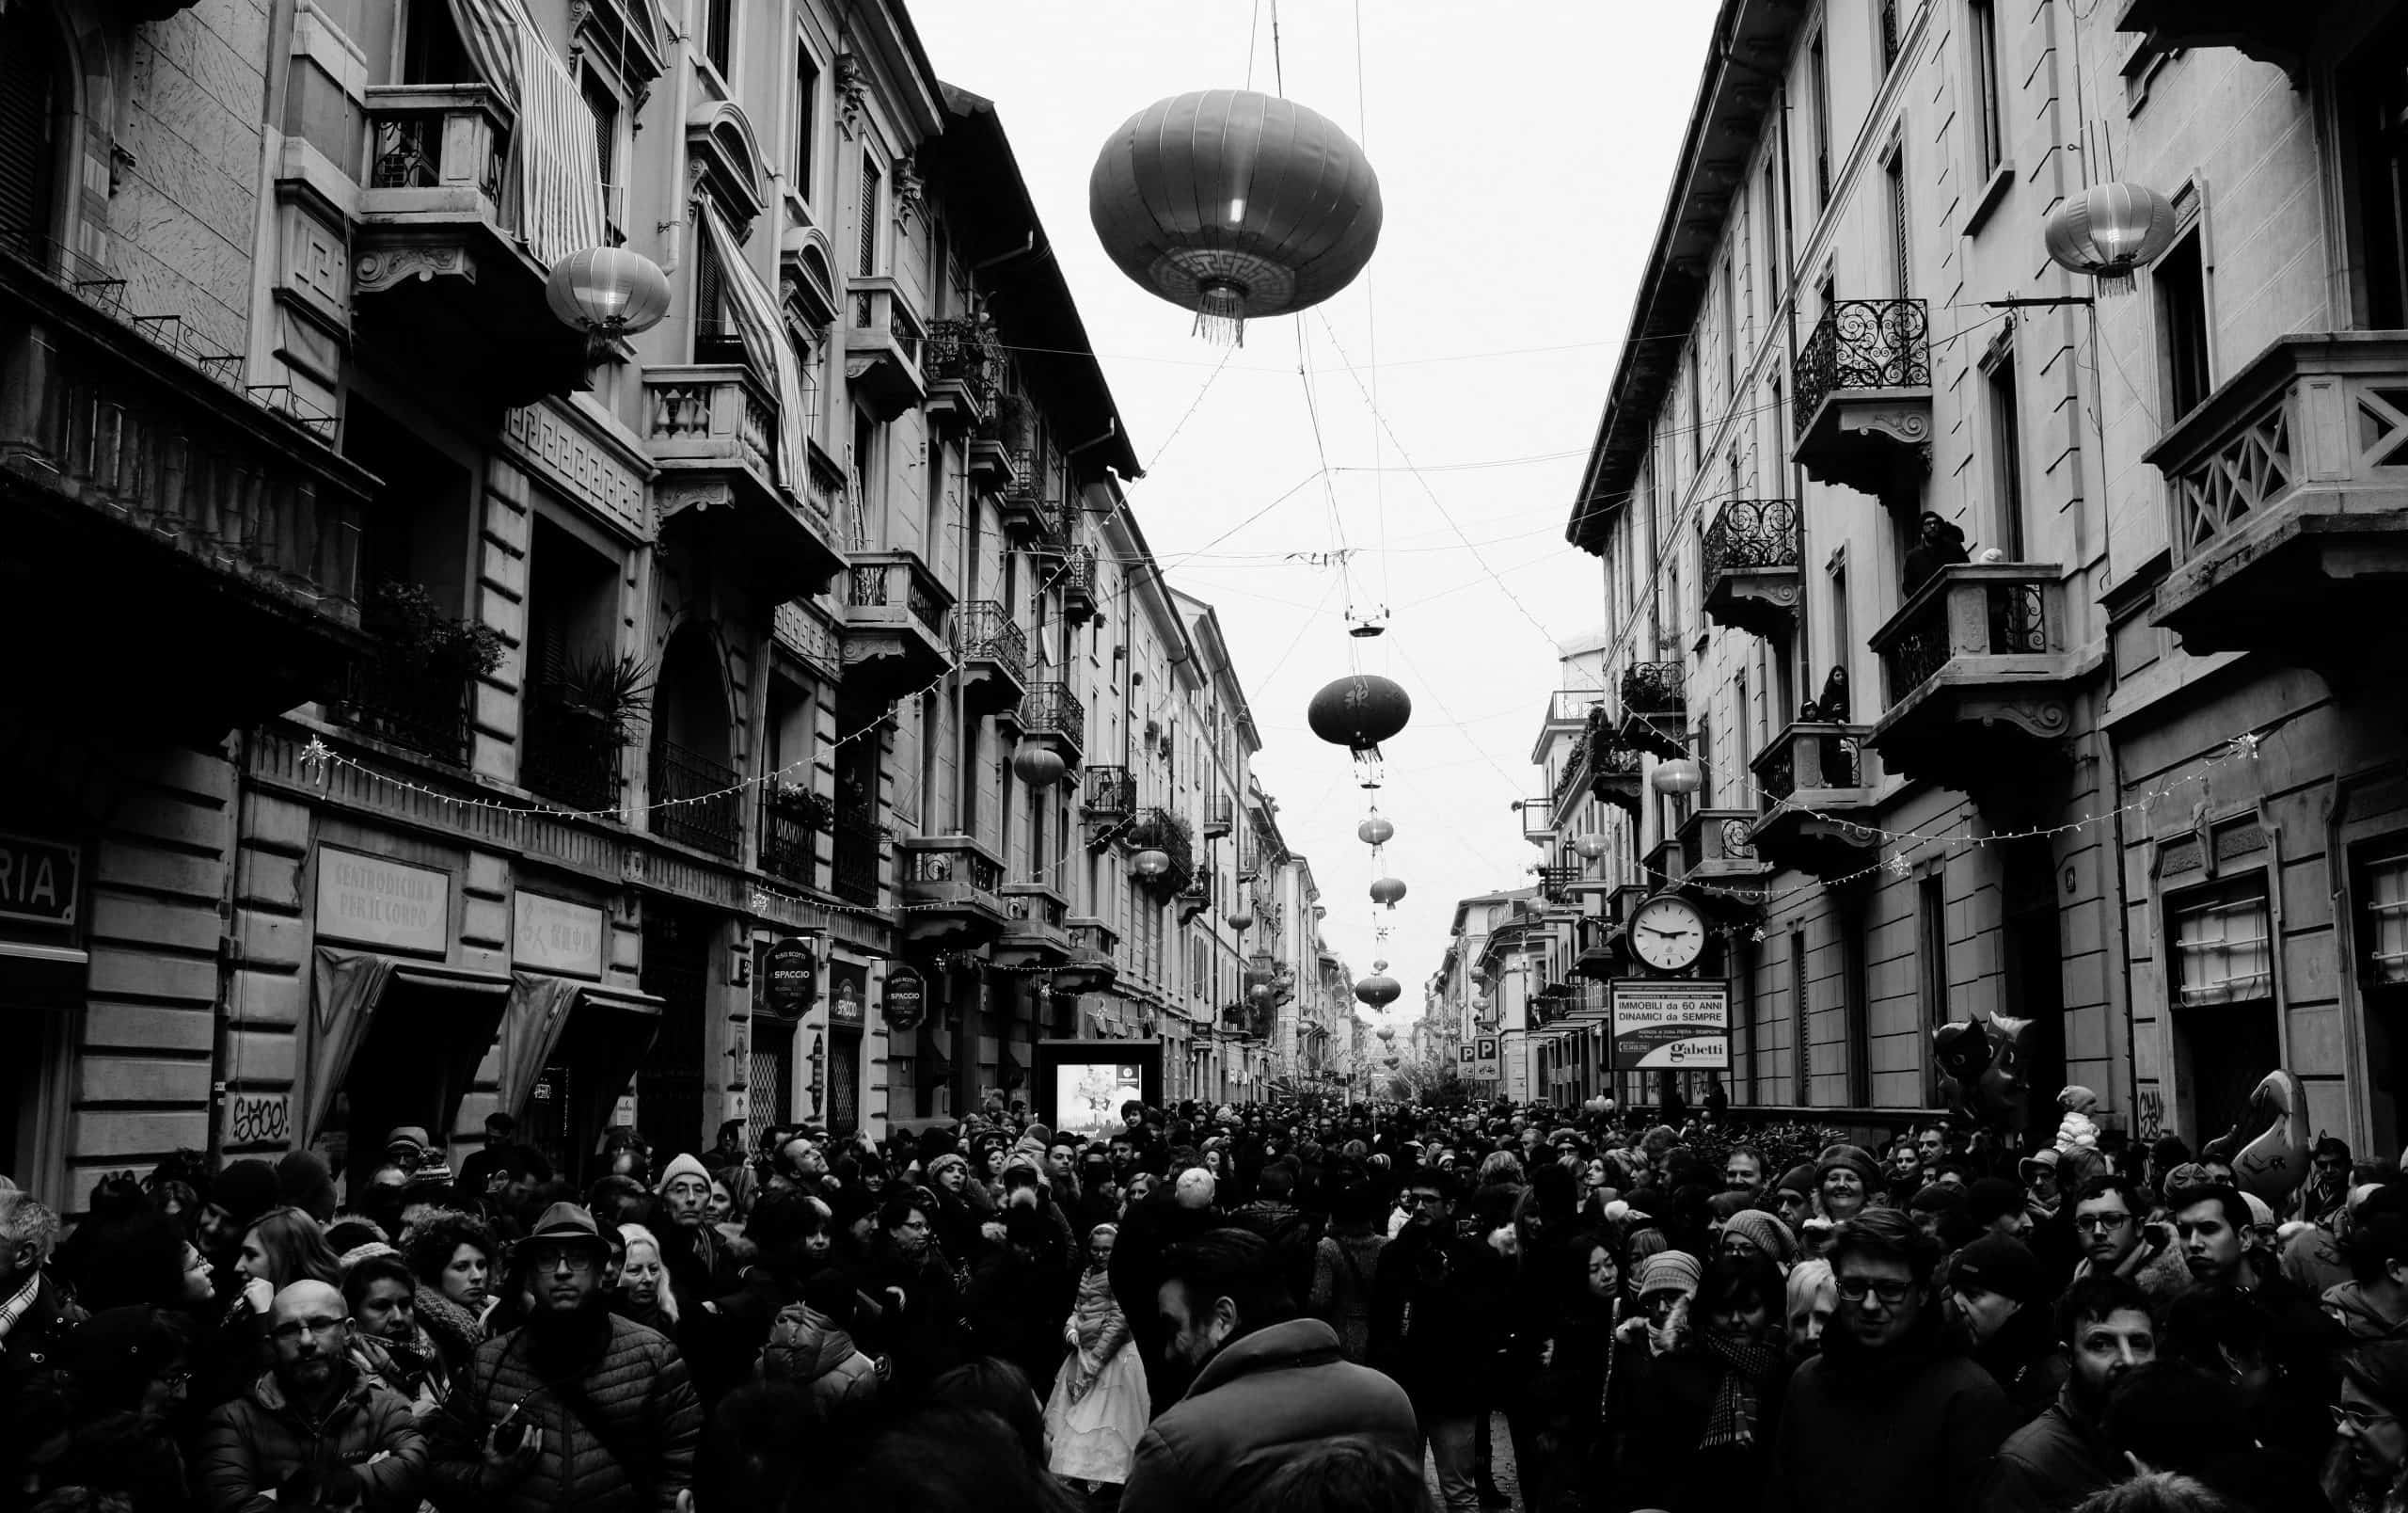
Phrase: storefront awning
x=351 y=986
x=540 y=1007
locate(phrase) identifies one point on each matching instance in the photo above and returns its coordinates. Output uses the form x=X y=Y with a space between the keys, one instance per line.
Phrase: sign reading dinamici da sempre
x=1675 y=1025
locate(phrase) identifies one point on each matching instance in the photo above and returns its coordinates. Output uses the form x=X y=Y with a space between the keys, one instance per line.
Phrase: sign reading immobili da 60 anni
x=377 y=902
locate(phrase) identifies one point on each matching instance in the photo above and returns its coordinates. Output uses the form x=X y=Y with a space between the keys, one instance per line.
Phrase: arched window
x=33 y=107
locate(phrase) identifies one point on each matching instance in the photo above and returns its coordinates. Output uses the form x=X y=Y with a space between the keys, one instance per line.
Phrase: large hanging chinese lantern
x=1359 y=712
x=2109 y=230
x=1387 y=890
x=1235 y=204
x=1376 y=831
x=1379 y=990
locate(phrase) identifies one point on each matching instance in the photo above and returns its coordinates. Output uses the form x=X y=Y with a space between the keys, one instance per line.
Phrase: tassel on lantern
x=1220 y=313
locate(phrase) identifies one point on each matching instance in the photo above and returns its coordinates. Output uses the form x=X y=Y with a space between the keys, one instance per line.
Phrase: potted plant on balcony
x=609 y=691
x=413 y=688
x=413 y=632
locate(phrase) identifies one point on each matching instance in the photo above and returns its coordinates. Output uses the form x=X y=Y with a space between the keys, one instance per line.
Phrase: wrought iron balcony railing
x=1108 y=793
x=963 y=351
x=898 y=583
x=985 y=631
x=1812 y=756
x=1750 y=533
x=696 y=800
x=435 y=136
x=1654 y=690
x=1861 y=344
x=791 y=820
x=859 y=845
x=567 y=754
x=1053 y=710
x=1967 y=612
x=398 y=699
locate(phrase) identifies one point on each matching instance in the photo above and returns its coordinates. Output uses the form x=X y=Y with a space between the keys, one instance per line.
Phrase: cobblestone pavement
x=1500 y=1464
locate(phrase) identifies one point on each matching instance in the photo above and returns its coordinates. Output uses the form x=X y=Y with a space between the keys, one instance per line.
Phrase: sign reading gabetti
x=1683 y=1026
x=555 y=935
x=377 y=902
x=39 y=879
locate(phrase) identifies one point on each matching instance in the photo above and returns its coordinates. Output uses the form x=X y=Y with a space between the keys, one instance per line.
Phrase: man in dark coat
x=1885 y=1420
x=1291 y=1234
x=578 y=1408
x=1437 y=1328
x=36 y=1318
x=2062 y=1456
x=314 y=1432
x=1266 y=1387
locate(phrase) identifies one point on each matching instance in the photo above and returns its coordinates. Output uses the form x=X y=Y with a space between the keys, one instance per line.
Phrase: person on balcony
x=1940 y=544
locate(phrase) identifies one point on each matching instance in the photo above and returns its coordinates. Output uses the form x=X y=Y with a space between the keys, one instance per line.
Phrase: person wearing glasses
x=314 y=1432
x=578 y=1406
x=1437 y=1328
x=2370 y=1469
x=1886 y=1419
x=2111 y=1228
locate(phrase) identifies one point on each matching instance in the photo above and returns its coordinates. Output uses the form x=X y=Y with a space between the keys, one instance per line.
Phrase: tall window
x=1889 y=34
x=1775 y=264
x=1857 y=1002
x=2006 y=464
x=715 y=338
x=603 y=107
x=1901 y=260
x=718 y=33
x=2223 y=948
x=2181 y=282
x=1842 y=616
x=1730 y=331
x=1820 y=65
x=870 y=206
x=1990 y=137
x=29 y=109
x=803 y=172
x=1801 y=1023
x=1931 y=966
x=2372 y=99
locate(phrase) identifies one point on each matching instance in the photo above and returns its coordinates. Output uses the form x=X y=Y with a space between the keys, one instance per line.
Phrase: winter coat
x=1012 y=1308
x=29 y=1388
x=1341 y=1296
x=1257 y=1405
x=2348 y=1305
x=636 y=1385
x=1435 y=1325
x=1293 y=1236
x=2051 y=1464
x=808 y=1350
x=1912 y=1431
x=2026 y=1361
x=256 y=1444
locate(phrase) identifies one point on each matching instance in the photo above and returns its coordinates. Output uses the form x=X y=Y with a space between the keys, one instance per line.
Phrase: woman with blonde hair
x=1100 y=1407
x=645 y=1296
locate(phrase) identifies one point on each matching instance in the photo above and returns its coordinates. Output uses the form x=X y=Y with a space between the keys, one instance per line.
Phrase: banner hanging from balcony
x=553 y=185
x=762 y=330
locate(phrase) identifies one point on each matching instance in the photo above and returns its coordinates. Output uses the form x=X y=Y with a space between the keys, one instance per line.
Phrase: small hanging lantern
x=1682 y=774
x=1380 y=965
x=1152 y=862
x=1038 y=764
x=1260 y=992
x=2109 y=230
x=1241 y=920
x=1387 y=890
x=1374 y=830
x=1590 y=847
x=607 y=292
x=1235 y=204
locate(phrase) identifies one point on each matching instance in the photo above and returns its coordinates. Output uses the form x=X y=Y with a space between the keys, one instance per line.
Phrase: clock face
x=1668 y=933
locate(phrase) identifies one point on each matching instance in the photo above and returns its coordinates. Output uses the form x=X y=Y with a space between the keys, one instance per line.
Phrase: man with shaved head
x=312 y=1432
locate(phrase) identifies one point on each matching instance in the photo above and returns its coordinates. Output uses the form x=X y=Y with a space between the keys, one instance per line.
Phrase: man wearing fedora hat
x=577 y=1406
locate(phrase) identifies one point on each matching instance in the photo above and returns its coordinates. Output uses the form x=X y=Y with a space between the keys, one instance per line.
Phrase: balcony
x=1050 y=715
x=860 y=850
x=1751 y=567
x=1614 y=775
x=1195 y=898
x=155 y=508
x=1570 y=708
x=1039 y=931
x=1095 y=957
x=441 y=279
x=1655 y=709
x=1076 y=577
x=696 y=801
x=1862 y=407
x=884 y=342
x=1107 y=793
x=2288 y=497
x=400 y=701
x=569 y=755
x=1220 y=817
x=1160 y=830
x=898 y=633
x=712 y=429
x=1976 y=676
x=1028 y=518
x=962 y=362
x=2283 y=35
x=1665 y=864
x=952 y=892
x=792 y=818
x=1538 y=820
x=1812 y=777
x=1720 y=846
x=994 y=656
x=999 y=455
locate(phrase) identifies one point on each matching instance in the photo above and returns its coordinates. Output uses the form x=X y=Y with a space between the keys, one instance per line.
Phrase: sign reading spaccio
x=1675 y=1025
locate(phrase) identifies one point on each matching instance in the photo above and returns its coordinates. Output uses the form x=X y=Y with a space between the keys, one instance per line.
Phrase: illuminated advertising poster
x=1087 y=1096
x=1684 y=1026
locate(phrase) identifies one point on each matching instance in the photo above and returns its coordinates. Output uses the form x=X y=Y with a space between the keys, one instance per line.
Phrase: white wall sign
x=378 y=902
x=555 y=935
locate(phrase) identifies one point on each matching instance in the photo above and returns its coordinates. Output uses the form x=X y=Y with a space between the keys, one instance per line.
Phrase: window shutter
x=867 y=263
x=27 y=56
x=2387 y=912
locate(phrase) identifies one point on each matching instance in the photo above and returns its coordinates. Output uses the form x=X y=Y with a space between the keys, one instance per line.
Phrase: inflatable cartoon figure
x=1984 y=1059
x=2273 y=1161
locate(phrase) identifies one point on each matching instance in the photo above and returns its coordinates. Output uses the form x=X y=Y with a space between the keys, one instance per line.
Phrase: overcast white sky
x=1523 y=148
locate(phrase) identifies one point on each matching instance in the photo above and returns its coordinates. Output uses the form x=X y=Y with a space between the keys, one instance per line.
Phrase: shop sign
x=377 y=902
x=790 y=976
x=555 y=935
x=907 y=1000
x=1681 y=1025
x=845 y=1009
x=39 y=879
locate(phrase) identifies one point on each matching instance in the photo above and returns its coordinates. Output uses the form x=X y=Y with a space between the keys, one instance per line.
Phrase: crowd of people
x=1293 y=1308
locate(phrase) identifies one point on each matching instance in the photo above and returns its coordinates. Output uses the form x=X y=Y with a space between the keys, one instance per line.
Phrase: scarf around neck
x=1746 y=1365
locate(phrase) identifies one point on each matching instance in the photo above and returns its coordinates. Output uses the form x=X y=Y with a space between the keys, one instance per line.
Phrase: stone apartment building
x=2118 y=774
x=543 y=688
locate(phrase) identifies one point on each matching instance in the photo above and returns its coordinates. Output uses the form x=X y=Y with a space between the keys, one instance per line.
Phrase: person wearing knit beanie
x=1996 y=1206
x=303 y=1181
x=1669 y=1271
x=237 y=1196
x=1761 y=1233
x=1792 y=1197
x=1844 y=1179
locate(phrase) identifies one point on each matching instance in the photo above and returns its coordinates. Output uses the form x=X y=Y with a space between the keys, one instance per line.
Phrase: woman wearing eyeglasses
x=2367 y=1472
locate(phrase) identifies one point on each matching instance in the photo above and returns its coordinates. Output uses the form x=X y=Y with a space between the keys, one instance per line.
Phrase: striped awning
x=552 y=191
x=763 y=331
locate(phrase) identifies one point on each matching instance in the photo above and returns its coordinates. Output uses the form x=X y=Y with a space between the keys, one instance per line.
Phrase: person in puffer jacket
x=811 y=1345
x=578 y=1409
x=312 y=1432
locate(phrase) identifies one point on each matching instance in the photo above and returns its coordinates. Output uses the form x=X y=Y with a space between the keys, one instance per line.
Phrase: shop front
x=570 y=1042
x=43 y=970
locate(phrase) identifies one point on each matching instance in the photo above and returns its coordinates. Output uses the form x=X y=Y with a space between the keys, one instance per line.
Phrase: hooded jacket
x=2348 y=1305
x=809 y=1349
x=256 y=1444
x=1257 y=1405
